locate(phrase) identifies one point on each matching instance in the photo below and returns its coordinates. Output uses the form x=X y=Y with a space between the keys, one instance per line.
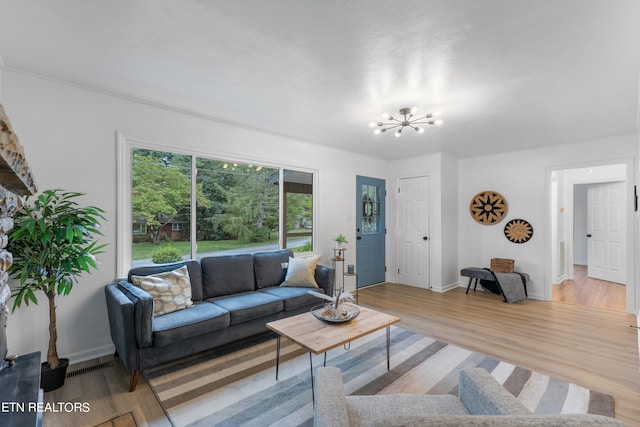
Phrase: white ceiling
x=506 y=74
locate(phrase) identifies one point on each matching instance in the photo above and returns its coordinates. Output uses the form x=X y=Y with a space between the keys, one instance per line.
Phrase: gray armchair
x=482 y=401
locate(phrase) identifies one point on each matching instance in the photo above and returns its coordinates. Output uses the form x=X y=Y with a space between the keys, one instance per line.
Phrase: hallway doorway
x=574 y=241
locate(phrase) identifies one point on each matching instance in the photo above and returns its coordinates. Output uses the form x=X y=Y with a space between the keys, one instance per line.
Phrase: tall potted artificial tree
x=52 y=244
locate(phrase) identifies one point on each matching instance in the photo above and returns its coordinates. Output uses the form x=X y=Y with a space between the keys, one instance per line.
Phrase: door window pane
x=370 y=209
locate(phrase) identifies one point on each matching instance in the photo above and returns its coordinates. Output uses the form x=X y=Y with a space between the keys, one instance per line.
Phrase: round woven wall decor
x=488 y=207
x=518 y=231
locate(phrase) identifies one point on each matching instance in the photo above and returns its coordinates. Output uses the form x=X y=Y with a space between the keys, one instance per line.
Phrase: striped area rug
x=239 y=388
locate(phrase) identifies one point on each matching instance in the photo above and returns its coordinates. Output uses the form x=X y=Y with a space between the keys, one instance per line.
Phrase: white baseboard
x=447 y=287
x=93 y=353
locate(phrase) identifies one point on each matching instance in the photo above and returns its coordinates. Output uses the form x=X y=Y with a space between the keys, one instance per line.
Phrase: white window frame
x=124 y=220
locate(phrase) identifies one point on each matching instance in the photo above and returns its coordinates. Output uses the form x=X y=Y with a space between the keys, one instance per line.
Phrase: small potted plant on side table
x=340 y=241
x=52 y=244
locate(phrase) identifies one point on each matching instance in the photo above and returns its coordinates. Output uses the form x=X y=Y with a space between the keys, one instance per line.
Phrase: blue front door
x=370 y=230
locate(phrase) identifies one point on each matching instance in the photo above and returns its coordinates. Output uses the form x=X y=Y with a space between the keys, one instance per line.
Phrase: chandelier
x=408 y=119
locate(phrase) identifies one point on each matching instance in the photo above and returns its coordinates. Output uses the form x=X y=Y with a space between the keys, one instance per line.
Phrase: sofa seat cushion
x=247 y=306
x=197 y=320
x=365 y=409
x=294 y=298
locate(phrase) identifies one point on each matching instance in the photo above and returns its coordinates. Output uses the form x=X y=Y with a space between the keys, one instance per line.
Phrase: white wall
x=450 y=237
x=558 y=250
x=442 y=171
x=69 y=138
x=523 y=179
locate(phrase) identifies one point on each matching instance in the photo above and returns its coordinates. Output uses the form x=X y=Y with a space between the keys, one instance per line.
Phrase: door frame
x=632 y=243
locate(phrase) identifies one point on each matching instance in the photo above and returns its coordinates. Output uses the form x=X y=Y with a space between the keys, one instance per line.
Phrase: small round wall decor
x=488 y=207
x=518 y=231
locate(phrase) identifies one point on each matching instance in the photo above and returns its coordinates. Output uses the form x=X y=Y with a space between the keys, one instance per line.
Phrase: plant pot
x=52 y=379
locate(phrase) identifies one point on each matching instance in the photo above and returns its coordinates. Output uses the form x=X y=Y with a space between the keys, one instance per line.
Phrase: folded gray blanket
x=513 y=285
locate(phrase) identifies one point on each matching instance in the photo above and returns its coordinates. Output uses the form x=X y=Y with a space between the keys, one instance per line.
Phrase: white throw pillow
x=301 y=272
x=171 y=290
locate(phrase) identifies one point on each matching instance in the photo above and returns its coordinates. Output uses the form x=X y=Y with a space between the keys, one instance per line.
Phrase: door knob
x=359 y=237
x=425 y=238
x=588 y=235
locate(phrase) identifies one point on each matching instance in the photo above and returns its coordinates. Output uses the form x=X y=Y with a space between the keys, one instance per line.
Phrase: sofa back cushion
x=268 y=267
x=195 y=275
x=227 y=274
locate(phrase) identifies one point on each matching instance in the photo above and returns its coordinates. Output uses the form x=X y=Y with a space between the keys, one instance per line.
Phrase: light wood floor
x=592 y=347
x=584 y=290
x=107 y=392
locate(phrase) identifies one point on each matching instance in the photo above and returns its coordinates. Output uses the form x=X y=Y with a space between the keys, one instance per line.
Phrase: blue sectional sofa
x=233 y=297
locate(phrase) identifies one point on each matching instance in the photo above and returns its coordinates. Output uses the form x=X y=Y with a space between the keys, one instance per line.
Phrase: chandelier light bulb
x=414 y=110
x=387 y=116
x=420 y=130
x=438 y=122
x=398 y=133
x=373 y=124
x=377 y=131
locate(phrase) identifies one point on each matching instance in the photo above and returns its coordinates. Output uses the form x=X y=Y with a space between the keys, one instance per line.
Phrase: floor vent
x=103 y=365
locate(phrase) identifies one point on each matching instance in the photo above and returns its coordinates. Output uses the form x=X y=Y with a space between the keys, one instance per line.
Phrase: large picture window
x=184 y=206
x=242 y=210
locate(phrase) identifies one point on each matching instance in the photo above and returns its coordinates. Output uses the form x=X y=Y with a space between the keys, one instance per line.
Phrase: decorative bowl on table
x=328 y=313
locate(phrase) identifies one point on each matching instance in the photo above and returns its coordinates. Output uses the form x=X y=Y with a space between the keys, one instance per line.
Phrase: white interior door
x=413 y=236
x=606 y=257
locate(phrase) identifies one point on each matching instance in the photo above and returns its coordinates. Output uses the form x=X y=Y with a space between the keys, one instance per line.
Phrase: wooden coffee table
x=319 y=337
